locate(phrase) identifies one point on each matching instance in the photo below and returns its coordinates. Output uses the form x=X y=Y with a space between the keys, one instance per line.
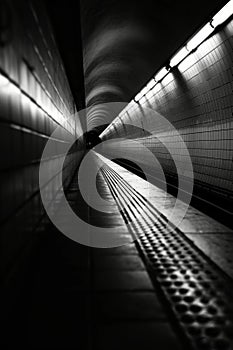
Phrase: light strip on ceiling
x=179 y=56
x=196 y=40
x=223 y=14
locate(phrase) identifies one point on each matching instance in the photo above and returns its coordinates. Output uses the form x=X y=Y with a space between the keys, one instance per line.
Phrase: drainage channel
x=198 y=293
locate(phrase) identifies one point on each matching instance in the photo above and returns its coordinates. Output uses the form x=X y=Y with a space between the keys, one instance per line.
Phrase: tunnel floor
x=161 y=289
x=77 y=297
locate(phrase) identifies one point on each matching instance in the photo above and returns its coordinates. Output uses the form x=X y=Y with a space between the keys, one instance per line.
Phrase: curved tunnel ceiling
x=124 y=43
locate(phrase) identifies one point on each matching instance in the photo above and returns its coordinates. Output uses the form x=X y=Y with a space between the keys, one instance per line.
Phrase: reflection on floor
x=157 y=290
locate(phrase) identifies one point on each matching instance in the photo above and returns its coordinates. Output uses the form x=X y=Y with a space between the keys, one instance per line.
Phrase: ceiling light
x=198 y=38
x=151 y=84
x=161 y=74
x=179 y=56
x=138 y=97
x=223 y=14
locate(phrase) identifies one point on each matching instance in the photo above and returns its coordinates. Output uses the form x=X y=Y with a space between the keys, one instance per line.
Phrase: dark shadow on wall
x=183 y=88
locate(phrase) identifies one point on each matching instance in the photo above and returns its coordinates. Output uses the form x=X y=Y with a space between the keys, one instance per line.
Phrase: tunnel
x=116 y=135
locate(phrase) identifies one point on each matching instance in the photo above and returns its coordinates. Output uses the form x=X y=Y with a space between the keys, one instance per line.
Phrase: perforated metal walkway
x=197 y=292
x=160 y=290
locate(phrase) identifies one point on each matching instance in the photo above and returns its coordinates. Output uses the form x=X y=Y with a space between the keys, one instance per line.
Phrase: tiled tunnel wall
x=197 y=98
x=35 y=99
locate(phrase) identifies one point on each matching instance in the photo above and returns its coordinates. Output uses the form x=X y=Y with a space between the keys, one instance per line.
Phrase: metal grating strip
x=196 y=290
